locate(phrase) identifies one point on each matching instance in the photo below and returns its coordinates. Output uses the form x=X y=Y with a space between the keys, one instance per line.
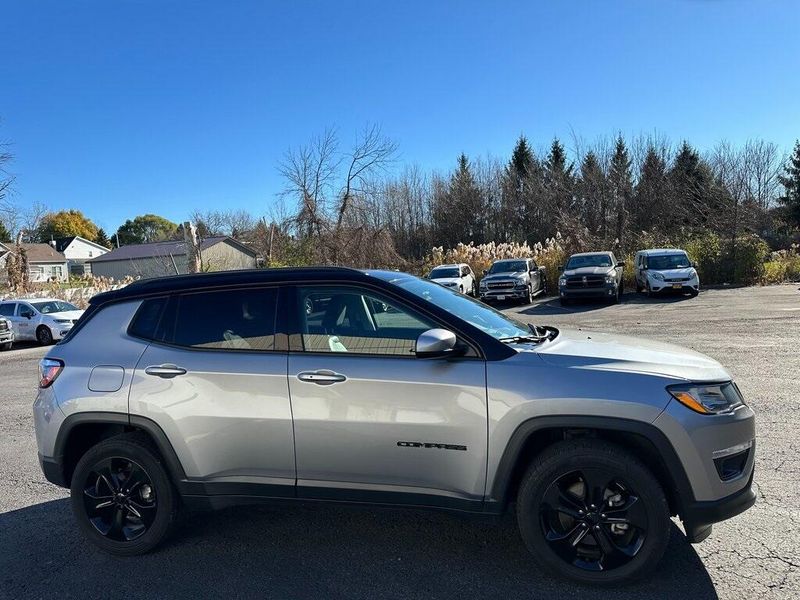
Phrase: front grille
x=677 y=280
x=501 y=285
x=588 y=281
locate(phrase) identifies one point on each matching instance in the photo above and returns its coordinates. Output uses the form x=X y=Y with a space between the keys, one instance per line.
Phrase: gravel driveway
x=348 y=552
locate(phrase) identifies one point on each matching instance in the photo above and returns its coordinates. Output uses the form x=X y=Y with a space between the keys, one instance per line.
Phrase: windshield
x=53 y=306
x=508 y=266
x=473 y=312
x=592 y=260
x=442 y=272
x=668 y=261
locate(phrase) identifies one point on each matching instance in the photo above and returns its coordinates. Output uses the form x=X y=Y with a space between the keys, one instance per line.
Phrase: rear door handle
x=321 y=377
x=165 y=371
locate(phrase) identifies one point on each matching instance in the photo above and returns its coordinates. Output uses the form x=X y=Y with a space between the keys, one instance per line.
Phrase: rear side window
x=7 y=310
x=146 y=320
x=226 y=320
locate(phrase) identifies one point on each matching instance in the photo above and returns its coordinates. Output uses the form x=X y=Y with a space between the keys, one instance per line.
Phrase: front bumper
x=699 y=517
x=6 y=336
x=717 y=454
x=501 y=295
x=679 y=287
x=607 y=290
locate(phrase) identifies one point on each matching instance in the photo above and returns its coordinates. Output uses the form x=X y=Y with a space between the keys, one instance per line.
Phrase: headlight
x=611 y=278
x=656 y=275
x=562 y=281
x=63 y=320
x=708 y=399
x=693 y=274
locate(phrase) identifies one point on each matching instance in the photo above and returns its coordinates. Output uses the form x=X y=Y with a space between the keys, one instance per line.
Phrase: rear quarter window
x=146 y=321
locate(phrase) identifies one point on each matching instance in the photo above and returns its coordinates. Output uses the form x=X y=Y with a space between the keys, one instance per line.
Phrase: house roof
x=64 y=242
x=43 y=253
x=162 y=249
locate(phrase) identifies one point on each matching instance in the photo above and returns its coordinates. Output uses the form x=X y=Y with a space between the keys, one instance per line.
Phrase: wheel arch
x=81 y=431
x=641 y=439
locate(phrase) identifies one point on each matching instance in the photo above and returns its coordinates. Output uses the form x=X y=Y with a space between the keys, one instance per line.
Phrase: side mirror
x=694 y=264
x=435 y=343
x=27 y=314
x=560 y=267
x=621 y=263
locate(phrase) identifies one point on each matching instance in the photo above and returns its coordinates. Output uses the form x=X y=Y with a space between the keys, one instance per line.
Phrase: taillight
x=49 y=369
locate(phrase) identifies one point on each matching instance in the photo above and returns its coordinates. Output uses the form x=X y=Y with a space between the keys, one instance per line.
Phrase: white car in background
x=42 y=320
x=459 y=277
x=665 y=270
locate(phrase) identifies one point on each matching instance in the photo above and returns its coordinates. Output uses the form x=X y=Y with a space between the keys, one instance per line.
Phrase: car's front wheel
x=122 y=497
x=44 y=336
x=592 y=512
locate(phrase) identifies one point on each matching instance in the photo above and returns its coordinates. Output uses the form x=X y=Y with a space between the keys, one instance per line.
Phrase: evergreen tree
x=652 y=191
x=458 y=209
x=593 y=194
x=102 y=239
x=691 y=183
x=790 y=181
x=517 y=190
x=621 y=185
x=558 y=190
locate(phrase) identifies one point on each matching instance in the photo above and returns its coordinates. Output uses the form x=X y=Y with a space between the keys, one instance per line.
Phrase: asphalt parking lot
x=348 y=552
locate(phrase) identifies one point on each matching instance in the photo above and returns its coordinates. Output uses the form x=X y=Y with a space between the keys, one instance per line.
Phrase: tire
x=528 y=299
x=638 y=287
x=648 y=291
x=6 y=346
x=474 y=290
x=564 y=301
x=44 y=336
x=693 y=293
x=555 y=478
x=157 y=506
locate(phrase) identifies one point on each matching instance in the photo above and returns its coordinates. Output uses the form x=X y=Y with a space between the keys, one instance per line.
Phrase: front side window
x=476 y=313
x=344 y=319
x=226 y=320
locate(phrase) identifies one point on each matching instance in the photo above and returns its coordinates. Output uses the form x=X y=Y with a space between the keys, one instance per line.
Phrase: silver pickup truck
x=515 y=279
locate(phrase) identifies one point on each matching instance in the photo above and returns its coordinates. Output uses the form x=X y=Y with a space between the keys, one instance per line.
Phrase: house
x=220 y=253
x=78 y=251
x=45 y=263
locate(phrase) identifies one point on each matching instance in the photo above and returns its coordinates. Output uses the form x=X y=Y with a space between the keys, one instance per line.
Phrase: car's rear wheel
x=122 y=497
x=590 y=511
x=44 y=336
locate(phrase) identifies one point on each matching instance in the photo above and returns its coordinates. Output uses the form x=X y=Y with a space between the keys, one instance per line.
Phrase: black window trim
x=293 y=309
x=280 y=346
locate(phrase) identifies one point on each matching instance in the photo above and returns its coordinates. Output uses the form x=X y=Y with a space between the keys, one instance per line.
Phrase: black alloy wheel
x=592 y=520
x=120 y=499
x=122 y=496
x=44 y=336
x=590 y=511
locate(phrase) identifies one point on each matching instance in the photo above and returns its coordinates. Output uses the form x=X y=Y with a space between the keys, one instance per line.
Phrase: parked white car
x=665 y=269
x=459 y=277
x=44 y=320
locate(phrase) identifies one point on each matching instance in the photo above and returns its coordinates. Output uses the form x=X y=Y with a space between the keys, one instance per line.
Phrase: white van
x=665 y=269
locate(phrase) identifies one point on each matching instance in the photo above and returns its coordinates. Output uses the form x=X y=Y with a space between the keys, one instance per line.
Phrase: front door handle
x=165 y=371
x=321 y=377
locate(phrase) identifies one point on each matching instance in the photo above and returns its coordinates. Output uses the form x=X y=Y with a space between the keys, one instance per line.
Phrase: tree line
x=356 y=205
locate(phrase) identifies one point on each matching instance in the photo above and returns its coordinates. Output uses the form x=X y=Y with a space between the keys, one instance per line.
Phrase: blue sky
x=124 y=108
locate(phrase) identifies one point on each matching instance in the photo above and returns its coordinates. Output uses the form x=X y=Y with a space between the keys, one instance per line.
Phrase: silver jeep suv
x=217 y=389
